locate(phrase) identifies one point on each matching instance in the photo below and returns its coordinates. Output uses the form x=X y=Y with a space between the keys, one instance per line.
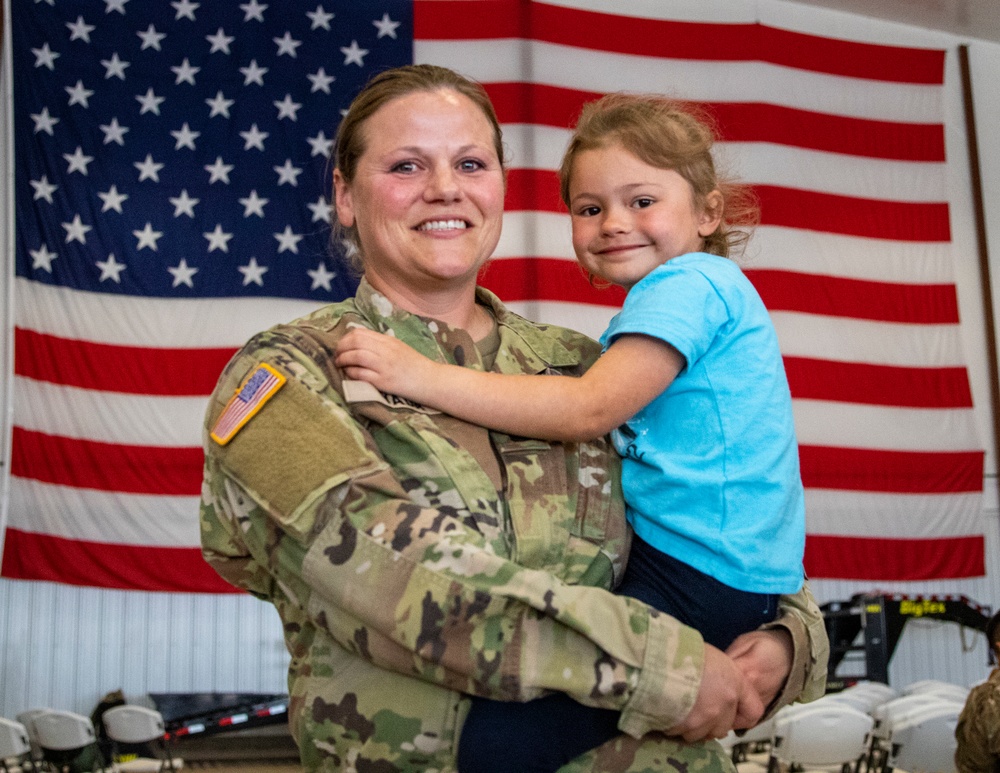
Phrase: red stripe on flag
x=702 y=41
x=872 y=558
x=902 y=472
x=549 y=279
x=168 y=471
x=856 y=298
x=530 y=190
x=908 y=221
x=552 y=279
x=755 y=122
x=129 y=369
x=547 y=105
x=469 y=19
x=29 y=556
x=538 y=189
x=860 y=382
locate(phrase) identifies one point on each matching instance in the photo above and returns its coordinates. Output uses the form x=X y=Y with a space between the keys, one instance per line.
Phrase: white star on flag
x=151 y=38
x=112 y=199
x=78 y=161
x=320 y=18
x=76 y=231
x=147 y=237
x=42 y=258
x=253 y=205
x=354 y=54
x=287 y=108
x=148 y=169
x=386 y=26
x=219 y=171
x=253 y=273
x=288 y=241
x=43 y=189
x=110 y=269
x=44 y=122
x=321 y=277
x=183 y=204
x=218 y=239
x=220 y=41
x=183 y=273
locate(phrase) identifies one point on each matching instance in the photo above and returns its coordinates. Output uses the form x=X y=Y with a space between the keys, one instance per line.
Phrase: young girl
x=691 y=386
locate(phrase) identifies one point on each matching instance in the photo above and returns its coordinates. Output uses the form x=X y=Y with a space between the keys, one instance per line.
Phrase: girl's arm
x=627 y=377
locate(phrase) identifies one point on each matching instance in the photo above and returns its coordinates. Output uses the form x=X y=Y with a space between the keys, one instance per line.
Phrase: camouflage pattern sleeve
x=978 y=729
x=801 y=617
x=386 y=559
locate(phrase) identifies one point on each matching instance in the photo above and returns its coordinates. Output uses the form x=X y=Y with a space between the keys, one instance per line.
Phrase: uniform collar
x=524 y=346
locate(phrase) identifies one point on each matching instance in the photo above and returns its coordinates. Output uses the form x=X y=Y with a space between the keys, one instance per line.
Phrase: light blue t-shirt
x=711 y=468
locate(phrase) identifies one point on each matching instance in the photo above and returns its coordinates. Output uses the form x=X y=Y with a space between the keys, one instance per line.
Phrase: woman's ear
x=344 y=203
x=711 y=213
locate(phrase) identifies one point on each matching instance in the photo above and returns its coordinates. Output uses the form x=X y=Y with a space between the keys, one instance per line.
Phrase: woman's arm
x=627 y=377
x=301 y=491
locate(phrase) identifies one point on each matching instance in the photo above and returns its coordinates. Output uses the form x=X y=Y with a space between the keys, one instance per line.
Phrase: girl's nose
x=615 y=221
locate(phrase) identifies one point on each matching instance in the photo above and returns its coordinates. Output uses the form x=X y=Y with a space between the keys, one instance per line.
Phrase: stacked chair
x=15 y=747
x=139 y=726
x=67 y=740
x=867 y=728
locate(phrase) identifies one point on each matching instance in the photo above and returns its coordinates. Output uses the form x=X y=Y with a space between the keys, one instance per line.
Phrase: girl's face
x=427 y=196
x=629 y=217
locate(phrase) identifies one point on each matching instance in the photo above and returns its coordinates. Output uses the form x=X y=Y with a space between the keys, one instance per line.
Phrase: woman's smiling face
x=427 y=195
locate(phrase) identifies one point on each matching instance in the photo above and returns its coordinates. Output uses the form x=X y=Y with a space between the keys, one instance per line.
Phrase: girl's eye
x=588 y=211
x=643 y=202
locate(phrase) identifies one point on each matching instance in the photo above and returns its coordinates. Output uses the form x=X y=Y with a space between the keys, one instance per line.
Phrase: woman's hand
x=387 y=363
x=765 y=659
x=726 y=700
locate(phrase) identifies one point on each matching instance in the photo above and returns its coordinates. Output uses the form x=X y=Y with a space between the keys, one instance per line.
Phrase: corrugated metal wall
x=65 y=647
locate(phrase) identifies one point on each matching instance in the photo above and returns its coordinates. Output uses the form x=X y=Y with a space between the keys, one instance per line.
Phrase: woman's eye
x=404 y=167
x=471 y=165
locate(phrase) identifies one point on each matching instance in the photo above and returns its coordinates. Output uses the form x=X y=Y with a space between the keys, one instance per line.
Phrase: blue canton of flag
x=180 y=149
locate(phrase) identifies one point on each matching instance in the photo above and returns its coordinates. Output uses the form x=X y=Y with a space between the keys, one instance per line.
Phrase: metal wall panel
x=65 y=647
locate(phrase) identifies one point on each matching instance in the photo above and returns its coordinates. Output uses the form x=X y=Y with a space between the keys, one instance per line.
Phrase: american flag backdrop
x=170 y=186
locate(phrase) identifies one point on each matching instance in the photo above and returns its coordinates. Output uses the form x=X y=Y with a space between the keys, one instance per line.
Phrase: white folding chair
x=68 y=739
x=923 y=685
x=819 y=733
x=924 y=742
x=14 y=747
x=740 y=745
x=894 y=712
x=27 y=718
x=139 y=725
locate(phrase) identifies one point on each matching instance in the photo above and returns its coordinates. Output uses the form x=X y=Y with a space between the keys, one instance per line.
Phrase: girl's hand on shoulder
x=384 y=361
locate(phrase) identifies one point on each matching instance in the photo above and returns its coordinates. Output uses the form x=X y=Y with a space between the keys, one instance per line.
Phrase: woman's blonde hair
x=667 y=134
x=385 y=87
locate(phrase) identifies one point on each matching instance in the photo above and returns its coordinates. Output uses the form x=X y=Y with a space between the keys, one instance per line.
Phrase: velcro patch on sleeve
x=257 y=388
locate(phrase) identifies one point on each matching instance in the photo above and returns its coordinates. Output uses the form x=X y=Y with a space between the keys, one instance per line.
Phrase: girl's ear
x=343 y=199
x=711 y=213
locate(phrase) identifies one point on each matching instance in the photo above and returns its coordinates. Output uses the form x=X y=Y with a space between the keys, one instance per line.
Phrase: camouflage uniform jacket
x=978 y=729
x=414 y=558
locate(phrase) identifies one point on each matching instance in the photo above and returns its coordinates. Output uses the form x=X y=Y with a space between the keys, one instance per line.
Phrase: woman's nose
x=443 y=185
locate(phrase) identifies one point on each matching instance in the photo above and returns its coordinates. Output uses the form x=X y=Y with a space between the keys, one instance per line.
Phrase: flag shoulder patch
x=257 y=388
